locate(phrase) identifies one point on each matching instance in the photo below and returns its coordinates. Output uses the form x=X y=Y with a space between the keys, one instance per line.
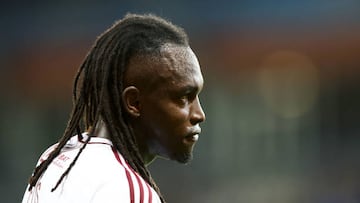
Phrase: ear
x=130 y=97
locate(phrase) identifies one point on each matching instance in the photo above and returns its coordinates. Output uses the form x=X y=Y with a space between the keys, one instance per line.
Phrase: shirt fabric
x=100 y=175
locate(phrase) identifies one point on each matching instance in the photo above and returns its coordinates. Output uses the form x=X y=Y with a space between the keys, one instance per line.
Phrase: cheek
x=172 y=118
x=176 y=114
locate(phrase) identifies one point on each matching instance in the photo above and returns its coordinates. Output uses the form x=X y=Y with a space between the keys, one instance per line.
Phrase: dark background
x=281 y=94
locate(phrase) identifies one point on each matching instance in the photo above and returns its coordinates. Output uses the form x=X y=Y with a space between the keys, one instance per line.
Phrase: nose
x=197 y=113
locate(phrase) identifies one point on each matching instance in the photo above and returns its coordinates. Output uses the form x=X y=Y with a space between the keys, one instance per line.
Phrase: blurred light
x=289 y=83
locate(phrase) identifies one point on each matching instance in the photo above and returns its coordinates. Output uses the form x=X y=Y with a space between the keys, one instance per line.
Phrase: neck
x=145 y=153
x=102 y=131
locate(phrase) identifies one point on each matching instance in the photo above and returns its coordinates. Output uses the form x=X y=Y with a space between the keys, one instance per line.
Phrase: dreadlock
x=99 y=83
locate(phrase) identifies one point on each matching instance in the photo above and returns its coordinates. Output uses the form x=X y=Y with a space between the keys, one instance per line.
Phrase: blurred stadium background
x=281 y=95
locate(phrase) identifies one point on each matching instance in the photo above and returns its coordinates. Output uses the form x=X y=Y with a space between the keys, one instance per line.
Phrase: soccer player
x=135 y=98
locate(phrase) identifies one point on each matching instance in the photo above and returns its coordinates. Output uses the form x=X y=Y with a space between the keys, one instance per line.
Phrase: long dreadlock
x=99 y=83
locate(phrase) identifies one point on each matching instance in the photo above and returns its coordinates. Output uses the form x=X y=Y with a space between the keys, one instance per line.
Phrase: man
x=136 y=98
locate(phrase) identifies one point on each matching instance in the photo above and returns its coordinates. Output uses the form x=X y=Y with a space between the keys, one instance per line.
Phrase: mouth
x=192 y=138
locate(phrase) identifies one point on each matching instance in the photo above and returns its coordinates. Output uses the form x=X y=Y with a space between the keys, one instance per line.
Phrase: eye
x=187 y=98
x=184 y=99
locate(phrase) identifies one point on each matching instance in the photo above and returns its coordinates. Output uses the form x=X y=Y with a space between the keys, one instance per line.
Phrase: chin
x=180 y=156
x=183 y=158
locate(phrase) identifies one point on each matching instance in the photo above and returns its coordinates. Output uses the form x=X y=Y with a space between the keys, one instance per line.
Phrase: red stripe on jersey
x=150 y=193
x=131 y=186
x=140 y=185
x=141 y=189
x=128 y=176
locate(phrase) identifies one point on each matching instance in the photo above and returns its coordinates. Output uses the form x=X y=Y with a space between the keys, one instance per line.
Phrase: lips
x=192 y=138
x=193 y=135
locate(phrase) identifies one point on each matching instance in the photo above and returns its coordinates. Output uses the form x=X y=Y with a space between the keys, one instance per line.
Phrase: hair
x=98 y=87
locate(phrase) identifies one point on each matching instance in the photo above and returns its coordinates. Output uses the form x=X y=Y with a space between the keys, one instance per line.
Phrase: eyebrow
x=190 y=89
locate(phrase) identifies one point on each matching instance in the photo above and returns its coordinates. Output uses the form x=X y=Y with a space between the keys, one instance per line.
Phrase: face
x=170 y=110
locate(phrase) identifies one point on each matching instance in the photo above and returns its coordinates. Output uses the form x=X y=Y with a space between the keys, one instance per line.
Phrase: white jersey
x=100 y=175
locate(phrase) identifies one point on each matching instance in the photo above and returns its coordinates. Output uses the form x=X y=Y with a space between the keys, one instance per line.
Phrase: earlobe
x=130 y=97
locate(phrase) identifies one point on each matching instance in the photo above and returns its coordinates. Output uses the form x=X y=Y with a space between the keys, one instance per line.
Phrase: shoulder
x=96 y=176
x=98 y=161
x=46 y=153
x=99 y=175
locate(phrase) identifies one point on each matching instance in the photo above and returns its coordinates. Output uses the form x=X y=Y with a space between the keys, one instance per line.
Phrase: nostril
x=198 y=117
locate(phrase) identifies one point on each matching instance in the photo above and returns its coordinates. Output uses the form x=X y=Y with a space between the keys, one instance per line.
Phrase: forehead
x=174 y=64
x=178 y=63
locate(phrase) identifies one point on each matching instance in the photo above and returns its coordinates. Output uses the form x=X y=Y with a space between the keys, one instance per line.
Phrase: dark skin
x=161 y=97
